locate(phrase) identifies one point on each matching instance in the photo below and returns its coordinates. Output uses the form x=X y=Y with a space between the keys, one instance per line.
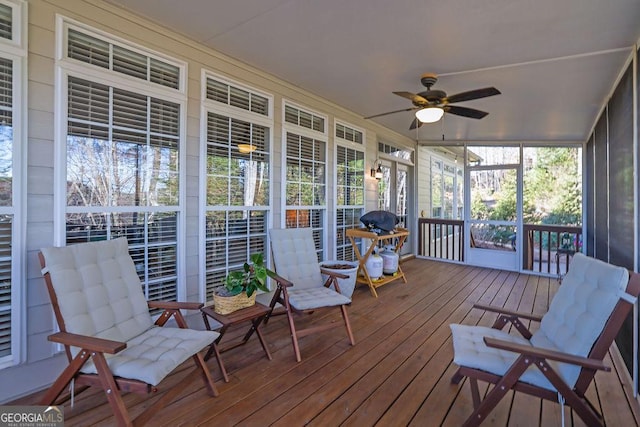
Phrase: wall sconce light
x=376 y=173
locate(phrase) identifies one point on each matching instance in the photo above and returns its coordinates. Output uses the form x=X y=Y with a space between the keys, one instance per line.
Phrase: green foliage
x=479 y=209
x=553 y=186
x=251 y=279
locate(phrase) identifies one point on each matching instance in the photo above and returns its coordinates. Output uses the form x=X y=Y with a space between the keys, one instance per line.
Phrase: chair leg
x=475 y=392
x=294 y=335
x=498 y=392
x=582 y=406
x=347 y=324
x=457 y=377
x=65 y=378
x=111 y=390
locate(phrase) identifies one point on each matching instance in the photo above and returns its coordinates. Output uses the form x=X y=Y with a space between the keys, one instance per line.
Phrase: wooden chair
x=108 y=334
x=559 y=360
x=300 y=287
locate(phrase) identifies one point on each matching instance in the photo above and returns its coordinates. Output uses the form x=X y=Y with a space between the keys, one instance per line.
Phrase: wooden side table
x=255 y=314
x=363 y=233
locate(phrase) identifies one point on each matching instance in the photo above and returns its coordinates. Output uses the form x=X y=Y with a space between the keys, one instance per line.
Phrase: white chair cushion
x=155 y=353
x=576 y=317
x=310 y=298
x=100 y=295
x=98 y=289
x=295 y=257
x=470 y=350
x=579 y=310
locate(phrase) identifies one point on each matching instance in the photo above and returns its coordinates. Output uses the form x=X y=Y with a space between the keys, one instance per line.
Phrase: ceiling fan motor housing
x=428 y=79
x=433 y=96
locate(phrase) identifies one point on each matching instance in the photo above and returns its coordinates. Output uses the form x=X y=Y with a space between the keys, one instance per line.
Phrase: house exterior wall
x=42 y=361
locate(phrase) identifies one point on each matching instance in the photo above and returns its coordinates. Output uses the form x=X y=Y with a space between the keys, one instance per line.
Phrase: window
x=122 y=151
x=305 y=163
x=237 y=205
x=350 y=169
x=304 y=119
x=98 y=51
x=12 y=150
x=447 y=186
x=349 y=134
x=395 y=187
x=395 y=151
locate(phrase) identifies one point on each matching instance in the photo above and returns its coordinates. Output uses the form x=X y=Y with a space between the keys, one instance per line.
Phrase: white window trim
x=301 y=130
x=16 y=50
x=64 y=68
x=310 y=133
x=340 y=142
x=343 y=141
x=387 y=156
x=206 y=106
x=233 y=111
x=64 y=23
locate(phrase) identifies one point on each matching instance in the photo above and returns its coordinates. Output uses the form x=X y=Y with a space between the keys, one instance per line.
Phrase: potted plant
x=350 y=268
x=240 y=287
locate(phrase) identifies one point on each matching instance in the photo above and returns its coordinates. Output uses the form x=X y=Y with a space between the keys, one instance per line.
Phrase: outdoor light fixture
x=376 y=173
x=429 y=114
x=246 y=148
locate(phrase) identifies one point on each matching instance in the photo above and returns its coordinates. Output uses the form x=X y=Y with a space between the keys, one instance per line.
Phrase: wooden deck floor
x=397 y=374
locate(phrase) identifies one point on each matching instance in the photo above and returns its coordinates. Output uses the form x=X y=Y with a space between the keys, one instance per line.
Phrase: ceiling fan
x=430 y=104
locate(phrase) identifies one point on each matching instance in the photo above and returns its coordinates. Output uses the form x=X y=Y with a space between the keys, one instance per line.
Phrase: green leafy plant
x=252 y=278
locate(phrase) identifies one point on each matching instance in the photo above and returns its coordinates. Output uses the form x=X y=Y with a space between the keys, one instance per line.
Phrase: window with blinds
x=6 y=280
x=349 y=134
x=122 y=177
x=305 y=171
x=6 y=22
x=306 y=181
x=350 y=171
x=304 y=119
x=234 y=96
x=11 y=68
x=96 y=51
x=237 y=179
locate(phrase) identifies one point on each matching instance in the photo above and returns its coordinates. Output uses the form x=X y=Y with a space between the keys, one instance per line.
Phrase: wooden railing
x=548 y=248
x=441 y=238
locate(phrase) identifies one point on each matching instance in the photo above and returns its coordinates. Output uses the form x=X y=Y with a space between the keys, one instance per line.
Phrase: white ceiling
x=555 y=61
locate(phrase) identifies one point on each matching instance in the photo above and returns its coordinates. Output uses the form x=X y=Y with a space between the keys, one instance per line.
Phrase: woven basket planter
x=225 y=305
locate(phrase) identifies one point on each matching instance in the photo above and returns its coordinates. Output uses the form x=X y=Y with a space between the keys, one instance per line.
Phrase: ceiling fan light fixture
x=246 y=148
x=429 y=114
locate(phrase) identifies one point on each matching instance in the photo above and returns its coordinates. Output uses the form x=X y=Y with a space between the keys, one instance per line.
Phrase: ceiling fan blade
x=391 y=112
x=472 y=94
x=465 y=112
x=416 y=99
x=415 y=124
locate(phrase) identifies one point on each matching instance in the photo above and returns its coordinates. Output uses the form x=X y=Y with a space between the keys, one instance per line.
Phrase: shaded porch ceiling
x=555 y=61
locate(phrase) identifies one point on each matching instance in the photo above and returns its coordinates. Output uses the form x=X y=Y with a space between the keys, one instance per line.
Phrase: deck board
x=398 y=373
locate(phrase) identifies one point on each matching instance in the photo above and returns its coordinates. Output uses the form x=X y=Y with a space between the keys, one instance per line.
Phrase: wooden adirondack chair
x=559 y=360
x=108 y=334
x=300 y=287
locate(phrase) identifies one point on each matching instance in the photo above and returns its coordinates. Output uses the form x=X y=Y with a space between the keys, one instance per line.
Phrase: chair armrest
x=334 y=274
x=86 y=342
x=175 y=305
x=546 y=354
x=504 y=311
x=281 y=281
